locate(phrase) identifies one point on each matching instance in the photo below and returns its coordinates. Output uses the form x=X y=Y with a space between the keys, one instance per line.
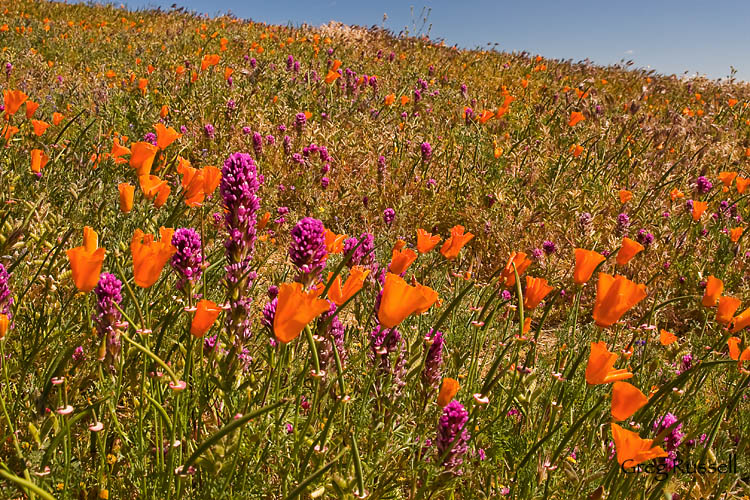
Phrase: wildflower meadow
x=244 y=261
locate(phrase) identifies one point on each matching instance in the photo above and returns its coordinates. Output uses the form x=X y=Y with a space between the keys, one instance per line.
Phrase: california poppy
x=615 y=295
x=40 y=127
x=714 y=288
x=400 y=300
x=401 y=260
x=164 y=111
x=264 y=220
x=57 y=118
x=4 y=325
x=118 y=150
x=31 y=108
x=426 y=241
x=162 y=194
x=586 y=263
x=126 y=196
x=734 y=350
x=627 y=251
x=600 y=368
x=332 y=76
x=575 y=117
x=667 y=338
x=353 y=284
x=448 y=390
x=725 y=309
x=142 y=157
x=150 y=184
x=507 y=277
x=165 y=136
x=698 y=208
x=631 y=449
x=204 y=318
x=625 y=196
x=86 y=261
x=390 y=99
x=626 y=400
x=736 y=233
x=13 y=99
x=727 y=178
x=742 y=184
x=675 y=193
x=334 y=242
x=295 y=309
x=38 y=160
x=455 y=242
x=536 y=290
x=150 y=256
x=741 y=321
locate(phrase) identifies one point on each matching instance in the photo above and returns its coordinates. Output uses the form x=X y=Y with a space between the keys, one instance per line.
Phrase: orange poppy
x=31 y=108
x=57 y=118
x=626 y=400
x=332 y=76
x=714 y=288
x=455 y=242
x=390 y=99
x=675 y=194
x=264 y=220
x=666 y=338
x=40 y=127
x=507 y=277
x=142 y=157
x=162 y=194
x=295 y=309
x=536 y=290
x=165 y=136
x=150 y=185
x=38 y=160
x=448 y=390
x=426 y=241
x=735 y=233
x=209 y=60
x=401 y=260
x=9 y=131
x=118 y=150
x=725 y=309
x=698 y=208
x=734 y=350
x=353 y=284
x=575 y=117
x=126 y=196
x=142 y=84
x=228 y=72
x=164 y=111
x=741 y=321
x=198 y=183
x=13 y=99
x=4 y=325
x=727 y=178
x=86 y=261
x=150 y=256
x=625 y=196
x=615 y=295
x=600 y=368
x=399 y=300
x=627 y=251
x=204 y=318
x=742 y=184
x=576 y=150
x=334 y=242
x=586 y=263
x=632 y=449
x=404 y=100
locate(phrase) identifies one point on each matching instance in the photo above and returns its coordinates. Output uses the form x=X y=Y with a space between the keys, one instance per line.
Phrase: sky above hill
x=707 y=38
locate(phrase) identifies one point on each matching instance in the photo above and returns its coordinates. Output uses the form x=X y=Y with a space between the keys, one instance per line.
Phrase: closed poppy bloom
x=675 y=193
x=600 y=368
x=334 y=242
x=295 y=309
x=698 y=208
x=714 y=288
x=13 y=99
x=575 y=117
x=31 y=108
x=725 y=309
x=399 y=300
x=228 y=72
x=204 y=318
x=426 y=241
x=162 y=194
x=735 y=233
x=627 y=251
x=727 y=178
x=536 y=290
x=507 y=277
x=741 y=321
x=586 y=263
x=38 y=160
x=118 y=150
x=150 y=184
x=742 y=184
x=57 y=118
x=455 y=242
x=615 y=295
x=150 y=256
x=353 y=284
x=142 y=157
x=734 y=350
x=448 y=390
x=401 y=260
x=211 y=179
x=165 y=136
x=40 y=127
x=626 y=400
x=86 y=261
x=164 y=111
x=631 y=449
x=126 y=196
x=264 y=220
x=667 y=338
x=625 y=196
x=4 y=325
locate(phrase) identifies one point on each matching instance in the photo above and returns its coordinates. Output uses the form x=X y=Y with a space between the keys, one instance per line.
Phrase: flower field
x=249 y=261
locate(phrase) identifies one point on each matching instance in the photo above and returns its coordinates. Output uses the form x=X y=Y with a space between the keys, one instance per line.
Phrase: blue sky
x=666 y=35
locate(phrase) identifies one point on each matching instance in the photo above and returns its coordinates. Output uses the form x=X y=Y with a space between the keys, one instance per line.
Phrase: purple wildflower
x=452 y=436
x=308 y=249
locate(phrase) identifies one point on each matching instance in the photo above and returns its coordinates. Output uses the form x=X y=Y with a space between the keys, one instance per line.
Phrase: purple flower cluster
x=5 y=297
x=384 y=342
x=549 y=247
x=106 y=316
x=363 y=254
x=307 y=249
x=703 y=185
x=426 y=151
x=673 y=440
x=187 y=260
x=299 y=122
x=389 y=215
x=432 y=371
x=335 y=332
x=623 y=223
x=452 y=436
x=645 y=238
